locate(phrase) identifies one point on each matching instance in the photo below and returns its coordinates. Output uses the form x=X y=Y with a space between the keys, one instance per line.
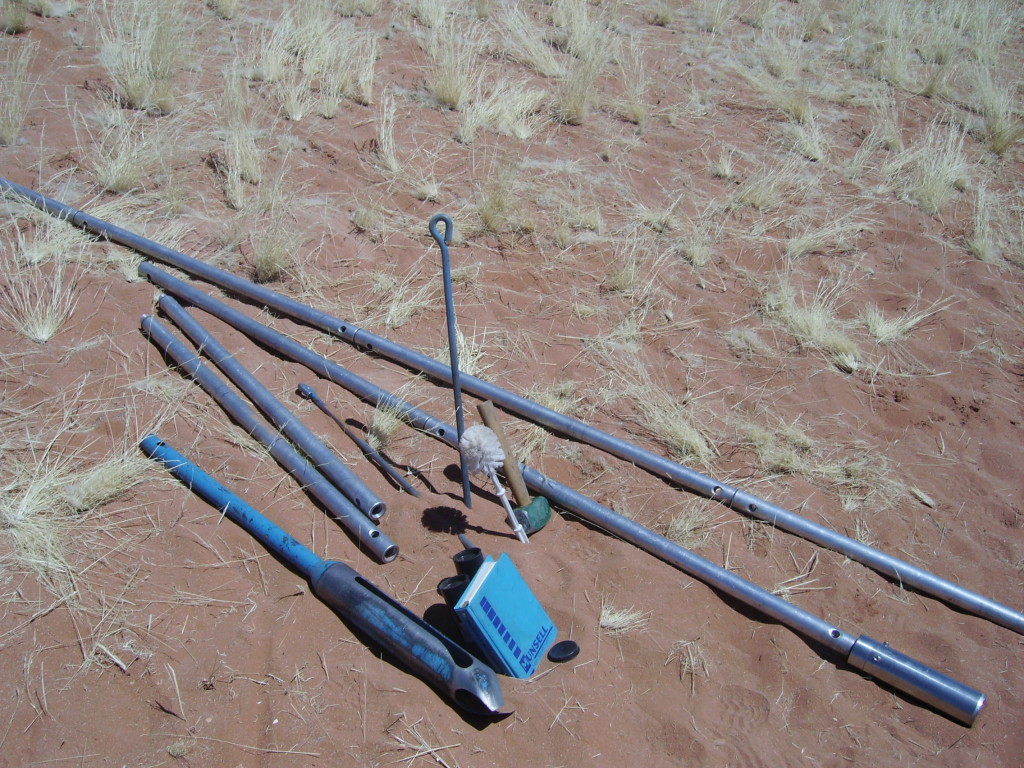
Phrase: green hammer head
x=534 y=515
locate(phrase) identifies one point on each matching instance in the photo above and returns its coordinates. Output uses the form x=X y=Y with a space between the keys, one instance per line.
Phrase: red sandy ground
x=230 y=661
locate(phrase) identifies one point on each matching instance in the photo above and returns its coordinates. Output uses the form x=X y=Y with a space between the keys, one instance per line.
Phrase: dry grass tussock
x=37 y=238
x=48 y=503
x=783 y=448
x=929 y=172
x=856 y=472
x=145 y=43
x=620 y=621
x=985 y=238
x=273 y=250
x=314 y=61
x=387 y=420
x=508 y=109
x=15 y=59
x=13 y=16
x=889 y=330
x=838 y=233
x=659 y=413
x=813 y=320
x=1000 y=109
x=400 y=299
x=38 y=299
x=692 y=660
x=525 y=42
x=692 y=525
x=562 y=397
x=127 y=151
x=454 y=75
x=225 y=9
x=476 y=352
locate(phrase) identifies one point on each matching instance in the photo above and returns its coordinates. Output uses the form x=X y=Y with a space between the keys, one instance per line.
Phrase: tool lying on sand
x=453 y=342
x=362 y=528
x=423 y=650
x=322 y=457
x=482 y=455
x=372 y=455
x=904 y=573
x=532 y=512
x=878 y=660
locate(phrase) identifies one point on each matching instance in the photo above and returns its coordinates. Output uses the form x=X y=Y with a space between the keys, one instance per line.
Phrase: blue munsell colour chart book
x=500 y=614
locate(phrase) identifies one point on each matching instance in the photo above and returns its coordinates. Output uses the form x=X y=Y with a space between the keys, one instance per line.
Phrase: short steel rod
x=362 y=529
x=372 y=454
x=906 y=574
x=322 y=457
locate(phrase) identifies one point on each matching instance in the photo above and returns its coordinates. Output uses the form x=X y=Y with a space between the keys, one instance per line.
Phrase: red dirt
x=230 y=660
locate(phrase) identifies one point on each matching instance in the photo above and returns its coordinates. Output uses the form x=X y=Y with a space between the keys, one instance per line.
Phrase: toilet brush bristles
x=481 y=450
x=482 y=455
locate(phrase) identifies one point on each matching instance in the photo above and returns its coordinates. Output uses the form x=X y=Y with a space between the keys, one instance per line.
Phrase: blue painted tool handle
x=269 y=534
x=422 y=649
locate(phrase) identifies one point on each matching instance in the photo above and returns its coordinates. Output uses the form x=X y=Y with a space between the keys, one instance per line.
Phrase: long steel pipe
x=362 y=529
x=904 y=573
x=955 y=699
x=323 y=458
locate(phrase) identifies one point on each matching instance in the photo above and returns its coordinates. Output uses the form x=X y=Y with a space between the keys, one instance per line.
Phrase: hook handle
x=449 y=229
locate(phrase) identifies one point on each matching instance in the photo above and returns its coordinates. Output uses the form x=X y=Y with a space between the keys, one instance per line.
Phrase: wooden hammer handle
x=512 y=473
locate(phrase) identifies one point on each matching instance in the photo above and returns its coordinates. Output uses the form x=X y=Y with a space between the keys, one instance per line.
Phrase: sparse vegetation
x=38 y=299
x=226 y=9
x=13 y=16
x=832 y=236
x=928 y=173
x=15 y=59
x=889 y=330
x=620 y=621
x=680 y=223
x=691 y=527
x=813 y=320
x=273 y=251
x=455 y=76
x=145 y=45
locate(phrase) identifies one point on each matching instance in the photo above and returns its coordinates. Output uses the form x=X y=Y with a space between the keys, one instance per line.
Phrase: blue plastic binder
x=499 y=613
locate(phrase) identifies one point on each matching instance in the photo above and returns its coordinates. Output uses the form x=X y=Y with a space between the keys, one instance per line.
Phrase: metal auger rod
x=422 y=649
x=325 y=461
x=904 y=573
x=922 y=683
x=455 y=376
x=365 y=532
